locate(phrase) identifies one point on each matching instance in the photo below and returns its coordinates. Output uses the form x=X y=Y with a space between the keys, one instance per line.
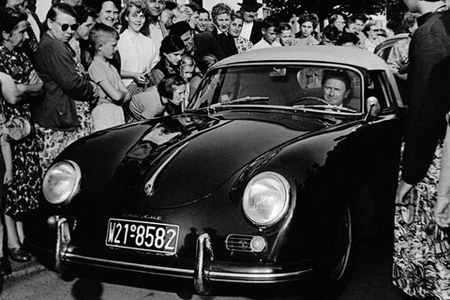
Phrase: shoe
x=5 y=266
x=19 y=255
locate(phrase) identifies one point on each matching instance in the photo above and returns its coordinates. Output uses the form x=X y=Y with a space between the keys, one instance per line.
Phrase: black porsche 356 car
x=263 y=179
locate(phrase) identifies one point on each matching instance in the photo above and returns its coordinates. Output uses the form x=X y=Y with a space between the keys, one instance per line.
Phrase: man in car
x=336 y=86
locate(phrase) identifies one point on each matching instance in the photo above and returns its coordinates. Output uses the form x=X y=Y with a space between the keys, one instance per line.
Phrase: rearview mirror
x=278 y=72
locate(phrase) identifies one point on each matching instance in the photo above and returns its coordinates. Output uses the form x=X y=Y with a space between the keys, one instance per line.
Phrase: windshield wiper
x=248 y=99
x=325 y=106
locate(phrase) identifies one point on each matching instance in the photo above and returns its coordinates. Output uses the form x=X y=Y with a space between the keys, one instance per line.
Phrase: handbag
x=15 y=129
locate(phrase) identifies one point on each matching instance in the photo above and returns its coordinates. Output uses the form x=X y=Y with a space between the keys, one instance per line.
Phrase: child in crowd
x=307 y=25
x=270 y=34
x=113 y=93
x=164 y=99
x=205 y=62
x=138 y=52
x=286 y=34
x=190 y=73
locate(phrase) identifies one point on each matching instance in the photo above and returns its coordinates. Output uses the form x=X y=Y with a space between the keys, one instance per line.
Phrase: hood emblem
x=149 y=186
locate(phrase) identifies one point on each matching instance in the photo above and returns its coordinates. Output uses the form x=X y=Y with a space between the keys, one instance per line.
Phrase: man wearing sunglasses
x=251 y=29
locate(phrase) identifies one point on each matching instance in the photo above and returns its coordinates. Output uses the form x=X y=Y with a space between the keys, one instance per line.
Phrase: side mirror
x=373 y=108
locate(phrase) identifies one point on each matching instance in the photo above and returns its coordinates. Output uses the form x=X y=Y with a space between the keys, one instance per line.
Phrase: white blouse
x=137 y=53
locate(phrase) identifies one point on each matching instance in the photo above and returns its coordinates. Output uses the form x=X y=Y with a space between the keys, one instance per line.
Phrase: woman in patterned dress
x=421 y=258
x=236 y=24
x=22 y=192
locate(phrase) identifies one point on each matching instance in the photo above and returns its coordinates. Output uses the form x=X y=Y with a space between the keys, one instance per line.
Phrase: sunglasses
x=64 y=27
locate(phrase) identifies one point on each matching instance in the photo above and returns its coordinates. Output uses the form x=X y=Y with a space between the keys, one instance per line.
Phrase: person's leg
x=20 y=234
x=11 y=233
x=5 y=265
x=15 y=250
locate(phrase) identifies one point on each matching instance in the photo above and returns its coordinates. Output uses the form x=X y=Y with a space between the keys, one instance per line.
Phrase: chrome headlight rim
x=285 y=188
x=75 y=187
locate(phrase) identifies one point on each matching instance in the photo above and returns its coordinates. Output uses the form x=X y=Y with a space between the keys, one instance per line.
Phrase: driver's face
x=334 y=91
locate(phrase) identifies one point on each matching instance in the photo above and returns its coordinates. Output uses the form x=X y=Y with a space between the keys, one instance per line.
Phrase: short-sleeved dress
x=22 y=193
x=421 y=266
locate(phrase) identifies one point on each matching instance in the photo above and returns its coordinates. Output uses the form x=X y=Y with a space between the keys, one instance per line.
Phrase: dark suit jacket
x=226 y=42
x=256 y=34
x=205 y=44
x=428 y=50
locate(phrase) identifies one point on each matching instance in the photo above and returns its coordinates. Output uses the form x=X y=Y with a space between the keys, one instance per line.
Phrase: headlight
x=266 y=198
x=61 y=182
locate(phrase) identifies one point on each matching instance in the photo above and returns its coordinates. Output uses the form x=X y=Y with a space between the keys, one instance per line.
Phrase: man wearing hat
x=251 y=29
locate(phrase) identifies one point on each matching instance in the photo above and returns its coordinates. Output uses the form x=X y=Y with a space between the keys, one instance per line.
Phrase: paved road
x=370 y=280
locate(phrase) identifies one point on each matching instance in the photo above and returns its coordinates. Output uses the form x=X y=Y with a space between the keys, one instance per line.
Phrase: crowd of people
x=94 y=65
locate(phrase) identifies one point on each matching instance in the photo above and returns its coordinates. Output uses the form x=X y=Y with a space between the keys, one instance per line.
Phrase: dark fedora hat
x=250 y=5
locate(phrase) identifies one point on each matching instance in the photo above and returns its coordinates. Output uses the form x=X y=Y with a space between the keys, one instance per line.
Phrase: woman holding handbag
x=22 y=192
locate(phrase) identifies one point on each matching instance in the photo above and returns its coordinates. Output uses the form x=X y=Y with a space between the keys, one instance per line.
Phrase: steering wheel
x=310 y=100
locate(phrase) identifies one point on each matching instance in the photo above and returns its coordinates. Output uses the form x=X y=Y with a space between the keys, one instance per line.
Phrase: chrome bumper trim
x=257 y=278
x=212 y=275
x=129 y=266
x=62 y=242
x=204 y=259
x=204 y=272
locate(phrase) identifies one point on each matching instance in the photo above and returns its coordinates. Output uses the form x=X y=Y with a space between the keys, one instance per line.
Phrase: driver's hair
x=337 y=74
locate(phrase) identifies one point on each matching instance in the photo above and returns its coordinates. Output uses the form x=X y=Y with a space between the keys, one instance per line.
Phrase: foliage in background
x=283 y=9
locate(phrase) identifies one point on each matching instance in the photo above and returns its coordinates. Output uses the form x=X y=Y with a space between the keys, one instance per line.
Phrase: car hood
x=181 y=160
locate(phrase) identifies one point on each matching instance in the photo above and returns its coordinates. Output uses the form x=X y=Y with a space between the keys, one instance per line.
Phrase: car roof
x=328 y=54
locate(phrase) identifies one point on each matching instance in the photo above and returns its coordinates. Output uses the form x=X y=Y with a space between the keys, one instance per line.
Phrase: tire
x=342 y=256
x=343 y=247
x=333 y=255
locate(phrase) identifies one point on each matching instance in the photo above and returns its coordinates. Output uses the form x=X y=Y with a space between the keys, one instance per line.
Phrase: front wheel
x=343 y=247
x=332 y=254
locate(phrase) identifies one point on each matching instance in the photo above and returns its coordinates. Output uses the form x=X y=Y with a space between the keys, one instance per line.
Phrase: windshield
x=314 y=87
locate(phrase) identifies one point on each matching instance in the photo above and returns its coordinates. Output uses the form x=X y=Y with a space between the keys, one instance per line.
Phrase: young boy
x=270 y=34
x=188 y=70
x=286 y=34
x=113 y=92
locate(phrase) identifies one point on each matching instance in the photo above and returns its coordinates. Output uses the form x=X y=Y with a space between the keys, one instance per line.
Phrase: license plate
x=141 y=235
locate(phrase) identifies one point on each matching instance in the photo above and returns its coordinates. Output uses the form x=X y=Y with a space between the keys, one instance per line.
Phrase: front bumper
x=206 y=271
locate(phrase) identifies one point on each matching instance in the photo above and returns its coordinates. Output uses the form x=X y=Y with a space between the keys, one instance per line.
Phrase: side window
x=377 y=88
x=206 y=92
